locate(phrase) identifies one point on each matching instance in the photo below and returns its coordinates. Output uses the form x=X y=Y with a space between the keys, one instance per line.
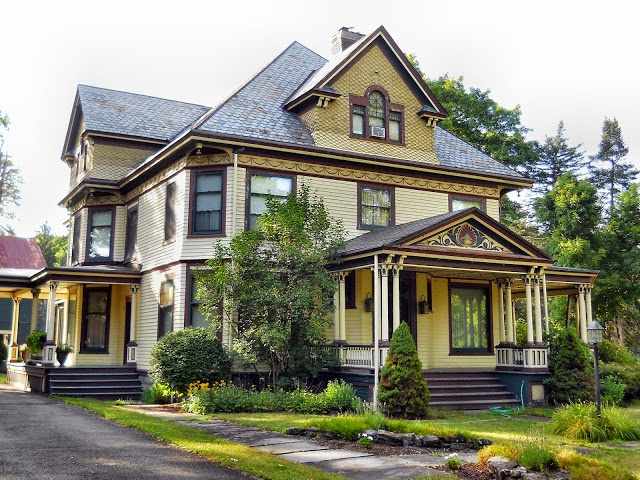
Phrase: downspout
x=376 y=332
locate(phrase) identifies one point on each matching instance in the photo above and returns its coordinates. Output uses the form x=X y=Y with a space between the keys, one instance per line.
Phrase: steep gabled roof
x=255 y=110
x=131 y=114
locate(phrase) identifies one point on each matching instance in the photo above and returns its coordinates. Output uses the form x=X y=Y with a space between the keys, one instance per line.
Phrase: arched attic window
x=374 y=117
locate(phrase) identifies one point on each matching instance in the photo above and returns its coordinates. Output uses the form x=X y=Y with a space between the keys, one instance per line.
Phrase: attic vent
x=377 y=132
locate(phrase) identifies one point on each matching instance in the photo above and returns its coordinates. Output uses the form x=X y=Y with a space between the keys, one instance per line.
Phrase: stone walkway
x=350 y=464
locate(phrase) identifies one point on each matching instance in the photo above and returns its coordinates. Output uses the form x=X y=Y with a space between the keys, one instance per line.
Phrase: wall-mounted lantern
x=368 y=303
x=424 y=306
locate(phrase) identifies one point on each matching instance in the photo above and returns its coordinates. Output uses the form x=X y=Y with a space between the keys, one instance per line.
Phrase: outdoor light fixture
x=595 y=335
x=424 y=306
x=368 y=303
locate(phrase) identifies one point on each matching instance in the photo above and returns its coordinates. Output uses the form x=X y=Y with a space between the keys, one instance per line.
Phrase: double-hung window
x=460 y=203
x=170 y=213
x=263 y=186
x=373 y=116
x=165 y=308
x=100 y=234
x=376 y=207
x=196 y=317
x=207 y=203
x=131 y=235
x=470 y=320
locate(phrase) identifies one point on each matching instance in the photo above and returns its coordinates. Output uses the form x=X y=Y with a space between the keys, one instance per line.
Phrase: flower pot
x=24 y=355
x=62 y=357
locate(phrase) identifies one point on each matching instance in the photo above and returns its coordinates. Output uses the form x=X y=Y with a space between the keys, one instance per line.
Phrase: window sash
x=207 y=203
x=165 y=308
x=262 y=187
x=95 y=326
x=375 y=207
x=170 y=213
x=196 y=317
x=100 y=234
x=458 y=203
x=470 y=319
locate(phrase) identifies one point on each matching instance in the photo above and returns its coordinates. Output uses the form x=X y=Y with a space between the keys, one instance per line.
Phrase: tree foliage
x=608 y=170
x=402 y=388
x=53 y=247
x=275 y=278
x=556 y=157
x=10 y=178
x=571 y=369
x=183 y=357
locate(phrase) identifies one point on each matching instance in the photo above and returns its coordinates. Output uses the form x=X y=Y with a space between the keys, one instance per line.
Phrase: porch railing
x=358 y=356
x=510 y=357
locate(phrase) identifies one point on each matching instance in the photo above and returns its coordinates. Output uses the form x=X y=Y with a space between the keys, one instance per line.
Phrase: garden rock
x=498 y=464
x=391 y=438
x=431 y=441
x=507 y=473
x=295 y=431
x=533 y=476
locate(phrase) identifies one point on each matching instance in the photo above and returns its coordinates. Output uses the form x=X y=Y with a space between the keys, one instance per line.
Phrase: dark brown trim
x=194 y=172
x=125 y=142
x=83 y=328
x=170 y=237
x=76 y=235
x=90 y=211
x=129 y=256
x=473 y=198
x=389 y=107
x=468 y=352
x=266 y=173
x=377 y=186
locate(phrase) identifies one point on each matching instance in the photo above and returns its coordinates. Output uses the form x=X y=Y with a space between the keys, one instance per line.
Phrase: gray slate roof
x=255 y=111
x=111 y=111
x=387 y=237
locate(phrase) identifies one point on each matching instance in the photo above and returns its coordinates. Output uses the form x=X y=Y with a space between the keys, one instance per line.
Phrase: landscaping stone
x=431 y=441
x=497 y=464
x=533 y=476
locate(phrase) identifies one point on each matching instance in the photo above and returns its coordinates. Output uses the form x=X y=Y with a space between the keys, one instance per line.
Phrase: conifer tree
x=402 y=388
x=571 y=369
x=608 y=171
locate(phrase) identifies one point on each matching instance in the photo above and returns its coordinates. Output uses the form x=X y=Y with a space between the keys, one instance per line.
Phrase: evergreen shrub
x=571 y=369
x=629 y=375
x=612 y=352
x=402 y=389
x=187 y=356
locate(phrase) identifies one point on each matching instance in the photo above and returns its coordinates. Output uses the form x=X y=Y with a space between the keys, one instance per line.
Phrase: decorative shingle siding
x=333 y=123
x=113 y=163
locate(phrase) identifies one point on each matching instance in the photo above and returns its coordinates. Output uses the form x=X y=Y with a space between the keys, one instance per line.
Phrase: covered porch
x=455 y=280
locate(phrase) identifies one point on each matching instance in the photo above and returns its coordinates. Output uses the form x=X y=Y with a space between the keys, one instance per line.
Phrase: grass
x=3 y=378
x=223 y=452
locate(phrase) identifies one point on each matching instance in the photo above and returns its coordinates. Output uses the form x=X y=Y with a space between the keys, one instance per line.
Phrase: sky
x=567 y=60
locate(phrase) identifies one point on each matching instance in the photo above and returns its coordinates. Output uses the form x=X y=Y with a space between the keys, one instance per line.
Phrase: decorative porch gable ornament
x=464 y=235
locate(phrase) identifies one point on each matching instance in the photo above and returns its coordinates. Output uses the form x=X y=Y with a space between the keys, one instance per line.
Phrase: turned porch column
x=537 y=308
x=342 y=276
x=49 y=351
x=384 y=304
x=396 y=296
x=132 y=346
x=509 y=311
x=582 y=312
x=528 y=308
x=35 y=293
x=14 y=348
x=501 y=325
x=336 y=315
x=587 y=300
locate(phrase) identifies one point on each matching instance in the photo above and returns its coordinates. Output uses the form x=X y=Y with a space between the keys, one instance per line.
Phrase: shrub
x=613 y=352
x=36 y=341
x=402 y=389
x=157 y=393
x=183 y=357
x=626 y=374
x=612 y=390
x=570 y=368
x=536 y=454
x=3 y=351
x=578 y=421
x=340 y=396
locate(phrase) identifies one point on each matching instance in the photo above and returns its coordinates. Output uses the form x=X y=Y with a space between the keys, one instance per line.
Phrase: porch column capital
x=35 y=293
x=16 y=301
x=342 y=276
x=507 y=282
x=134 y=289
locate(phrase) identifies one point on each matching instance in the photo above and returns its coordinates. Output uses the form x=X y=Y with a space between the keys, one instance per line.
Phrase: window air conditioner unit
x=377 y=132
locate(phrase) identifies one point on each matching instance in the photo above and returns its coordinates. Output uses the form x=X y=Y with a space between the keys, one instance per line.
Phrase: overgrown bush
x=535 y=453
x=187 y=356
x=226 y=397
x=3 y=351
x=612 y=390
x=613 y=352
x=579 y=421
x=402 y=389
x=628 y=375
x=36 y=341
x=571 y=369
x=157 y=393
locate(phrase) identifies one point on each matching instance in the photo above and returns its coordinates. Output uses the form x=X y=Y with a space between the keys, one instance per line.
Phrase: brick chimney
x=344 y=39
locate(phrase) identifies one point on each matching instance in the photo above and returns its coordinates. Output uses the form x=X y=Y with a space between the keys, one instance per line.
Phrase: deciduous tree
x=10 y=178
x=53 y=247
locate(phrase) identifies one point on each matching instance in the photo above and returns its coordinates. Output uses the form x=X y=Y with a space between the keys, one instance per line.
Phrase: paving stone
x=299 y=446
x=367 y=468
x=322 y=455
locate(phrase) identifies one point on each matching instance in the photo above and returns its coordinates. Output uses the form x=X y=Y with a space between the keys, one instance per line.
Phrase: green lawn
x=3 y=378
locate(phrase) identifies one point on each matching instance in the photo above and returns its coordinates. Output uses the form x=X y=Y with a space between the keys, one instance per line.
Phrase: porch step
x=104 y=383
x=467 y=390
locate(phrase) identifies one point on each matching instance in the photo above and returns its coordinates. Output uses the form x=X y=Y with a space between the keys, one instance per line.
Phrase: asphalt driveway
x=41 y=438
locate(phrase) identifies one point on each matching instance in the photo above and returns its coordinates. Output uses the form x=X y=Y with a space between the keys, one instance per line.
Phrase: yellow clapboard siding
x=417 y=204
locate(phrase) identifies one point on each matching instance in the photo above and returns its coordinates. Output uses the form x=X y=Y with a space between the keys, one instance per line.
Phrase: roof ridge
x=141 y=95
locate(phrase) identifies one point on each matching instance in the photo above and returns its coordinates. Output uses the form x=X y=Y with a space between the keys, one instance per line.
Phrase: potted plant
x=24 y=348
x=36 y=341
x=62 y=352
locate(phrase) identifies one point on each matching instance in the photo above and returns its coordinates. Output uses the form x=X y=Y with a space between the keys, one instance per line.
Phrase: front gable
x=373 y=64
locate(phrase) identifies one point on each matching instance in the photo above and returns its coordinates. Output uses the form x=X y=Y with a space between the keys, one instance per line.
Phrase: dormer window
x=374 y=117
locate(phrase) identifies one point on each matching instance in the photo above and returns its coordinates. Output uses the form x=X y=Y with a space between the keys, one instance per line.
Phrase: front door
x=127 y=327
x=408 y=305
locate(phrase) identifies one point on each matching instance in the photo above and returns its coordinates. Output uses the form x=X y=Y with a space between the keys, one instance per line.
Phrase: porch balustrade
x=533 y=358
x=359 y=356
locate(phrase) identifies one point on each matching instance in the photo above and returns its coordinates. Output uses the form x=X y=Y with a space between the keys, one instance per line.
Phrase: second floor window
x=263 y=186
x=460 y=203
x=100 y=234
x=376 y=207
x=75 y=242
x=170 y=213
x=165 y=308
x=207 y=203
x=375 y=117
x=131 y=238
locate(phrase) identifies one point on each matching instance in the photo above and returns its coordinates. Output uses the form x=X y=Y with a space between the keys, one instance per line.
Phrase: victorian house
x=155 y=182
